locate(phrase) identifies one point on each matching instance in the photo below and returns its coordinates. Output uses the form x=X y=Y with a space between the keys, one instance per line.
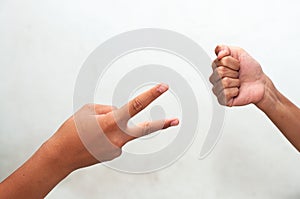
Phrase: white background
x=44 y=43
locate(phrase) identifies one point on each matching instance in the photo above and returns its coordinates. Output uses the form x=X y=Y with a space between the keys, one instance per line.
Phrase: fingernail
x=174 y=123
x=162 y=88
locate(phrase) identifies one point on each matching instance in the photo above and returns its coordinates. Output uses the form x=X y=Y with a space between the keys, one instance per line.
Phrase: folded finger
x=221 y=72
x=228 y=62
x=224 y=83
x=226 y=96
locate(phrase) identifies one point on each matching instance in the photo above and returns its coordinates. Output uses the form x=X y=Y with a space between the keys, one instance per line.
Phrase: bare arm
x=79 y=142
x=282 y=112
x=238 y=80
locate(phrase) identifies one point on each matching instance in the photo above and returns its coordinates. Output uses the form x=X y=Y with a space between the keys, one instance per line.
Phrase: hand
x=94 y=134
x=80 y=141
x=237 y=78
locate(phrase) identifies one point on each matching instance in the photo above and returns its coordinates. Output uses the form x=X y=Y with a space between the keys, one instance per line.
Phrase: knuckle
x=225 y=61
x=226 y=82
x=117 y=141
x=221 y=100
x=214 y=90
x=137 y=104
x=211 y=79
x=221 y=71
x=154 y=92
x=214 y=64
x=146 y=128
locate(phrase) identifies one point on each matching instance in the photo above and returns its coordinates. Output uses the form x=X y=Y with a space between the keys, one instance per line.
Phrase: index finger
x=140 y=102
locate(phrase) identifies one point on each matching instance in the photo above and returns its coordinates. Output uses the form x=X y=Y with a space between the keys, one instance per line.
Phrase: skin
x=239 y=80
x=65 y=152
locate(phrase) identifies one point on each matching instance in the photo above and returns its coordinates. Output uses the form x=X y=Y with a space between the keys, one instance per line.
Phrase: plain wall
x=44 y=43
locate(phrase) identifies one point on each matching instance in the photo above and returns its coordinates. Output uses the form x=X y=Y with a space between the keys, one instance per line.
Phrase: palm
x=251 y=77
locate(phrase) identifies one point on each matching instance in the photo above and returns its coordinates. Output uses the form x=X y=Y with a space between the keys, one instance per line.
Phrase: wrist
x=270 y=98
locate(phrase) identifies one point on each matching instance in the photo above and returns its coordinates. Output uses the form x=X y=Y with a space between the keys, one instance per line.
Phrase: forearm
x=36 y=177
x=282 y=112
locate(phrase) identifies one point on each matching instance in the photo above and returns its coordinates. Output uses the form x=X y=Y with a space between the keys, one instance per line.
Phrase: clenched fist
x=237 y=78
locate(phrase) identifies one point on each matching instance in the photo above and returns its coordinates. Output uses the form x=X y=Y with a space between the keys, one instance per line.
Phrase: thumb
x=222 y=51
